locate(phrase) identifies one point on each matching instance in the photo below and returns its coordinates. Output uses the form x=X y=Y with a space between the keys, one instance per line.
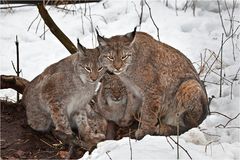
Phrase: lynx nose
x=117 y=65
x=93 y=76
x=116 y=98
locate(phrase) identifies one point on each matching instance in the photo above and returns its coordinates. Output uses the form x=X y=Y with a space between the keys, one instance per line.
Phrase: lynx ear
x=131 y=35
x=101 y=40
x=81 y=48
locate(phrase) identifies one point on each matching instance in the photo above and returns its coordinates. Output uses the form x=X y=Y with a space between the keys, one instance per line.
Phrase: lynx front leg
x=62 y=126
x=86 y=132
x=132 y=108
x=149 y=116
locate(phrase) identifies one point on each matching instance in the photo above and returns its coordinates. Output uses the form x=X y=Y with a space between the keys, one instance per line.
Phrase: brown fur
x=162 y=76
x=115 y=102
x=60 y=95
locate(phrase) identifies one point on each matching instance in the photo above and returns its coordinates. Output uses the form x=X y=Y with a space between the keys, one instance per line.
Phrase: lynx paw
x=124 y=123
x=139 y=134
x=97 y=137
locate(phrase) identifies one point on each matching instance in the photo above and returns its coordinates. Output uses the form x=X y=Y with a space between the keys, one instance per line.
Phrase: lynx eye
x=100 y=69
x=125 y=57
x=110 y=58
x=87 y=69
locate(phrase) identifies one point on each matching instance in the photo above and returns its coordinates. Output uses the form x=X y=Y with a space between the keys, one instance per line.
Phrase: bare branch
x=150 y=13
x=49 y=2
x=221 y=60
x=55 y=30
x=181 y=147
x=169 y=143
x=231 y=119
x=11 y=7
x=220 y=14
x=130 y=145
x=108 y=155
x=210 y=68
x=32 y=22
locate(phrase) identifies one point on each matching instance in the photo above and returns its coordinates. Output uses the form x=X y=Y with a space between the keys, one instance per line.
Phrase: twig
x=104 y=19
x=209 y=144
x=150 y=13
x=221 y=68
x=49 y=2
x=11 y=7
x=213 y=142
x=141 y=15
x=194 y=7
x=91 y=22
x=176 y=7
x=169 y=143
x=82 y=20
x=177 y=115
x=231 y=119
x=220 y=14
x=211 y=134
x=221 y=114
x=108 y=155
x=32 y=22
x=130 y=145
x=235 y=77
x=47 y=143
x=43 y=34
x=38 y=25
x=219 y=52
x=135 y=7
x=181 y=147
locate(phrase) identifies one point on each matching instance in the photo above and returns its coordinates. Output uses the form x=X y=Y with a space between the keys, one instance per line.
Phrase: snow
x=194 y=36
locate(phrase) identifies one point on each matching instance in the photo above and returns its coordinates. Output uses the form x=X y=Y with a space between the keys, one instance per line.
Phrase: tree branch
x=55 y=30
x=47 y=2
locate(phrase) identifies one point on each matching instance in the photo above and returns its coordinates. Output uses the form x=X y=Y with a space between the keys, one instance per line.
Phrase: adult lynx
x=60 y=95
x=162 y=76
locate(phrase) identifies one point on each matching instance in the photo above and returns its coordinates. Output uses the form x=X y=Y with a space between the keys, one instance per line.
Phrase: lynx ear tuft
x=131 y=35
x=81 y=48
x=101 y=40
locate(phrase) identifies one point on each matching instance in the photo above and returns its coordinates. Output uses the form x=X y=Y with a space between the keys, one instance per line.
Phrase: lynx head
x=116 y=52
x=88 y=65
x=113 y=88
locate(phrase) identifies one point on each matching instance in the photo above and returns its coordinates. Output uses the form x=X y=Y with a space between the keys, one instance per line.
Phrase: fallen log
x=14 y=82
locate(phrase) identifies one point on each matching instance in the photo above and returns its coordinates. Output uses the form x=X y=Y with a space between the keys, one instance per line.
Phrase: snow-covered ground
x=194 y=36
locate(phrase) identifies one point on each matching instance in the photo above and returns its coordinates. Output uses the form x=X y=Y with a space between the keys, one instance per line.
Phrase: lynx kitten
x=115 y=102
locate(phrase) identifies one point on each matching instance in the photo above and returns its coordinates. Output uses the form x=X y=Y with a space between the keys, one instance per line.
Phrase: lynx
x=59 y=96
x=116 y=103
x=162 y=77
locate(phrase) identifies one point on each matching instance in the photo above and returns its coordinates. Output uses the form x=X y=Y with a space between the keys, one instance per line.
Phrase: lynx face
x=113 y=90
x=116 y=52
x=88 y=66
